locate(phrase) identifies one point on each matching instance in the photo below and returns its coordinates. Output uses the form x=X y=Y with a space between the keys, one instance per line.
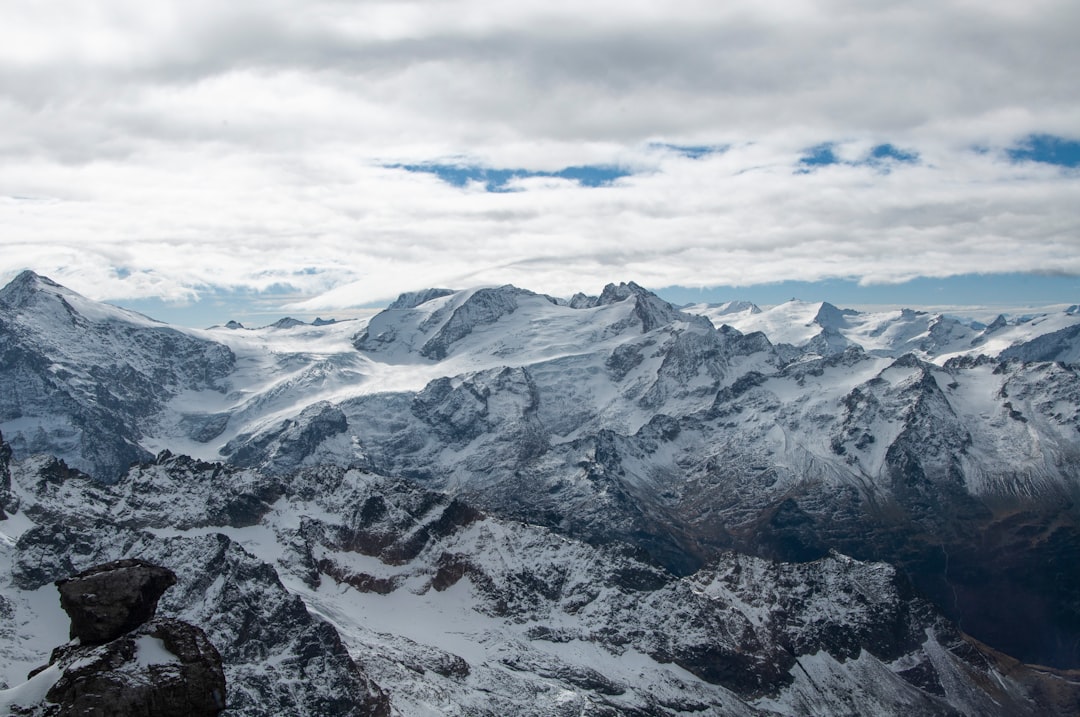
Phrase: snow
x=280 y=372
x=151 y=650
x=789 y=323
x=521 y=652
x=10 y=529
x=38 y=624
x=29 y=693
x=932 y=336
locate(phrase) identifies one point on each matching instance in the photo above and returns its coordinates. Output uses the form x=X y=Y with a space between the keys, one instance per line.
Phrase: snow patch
x=150 y=650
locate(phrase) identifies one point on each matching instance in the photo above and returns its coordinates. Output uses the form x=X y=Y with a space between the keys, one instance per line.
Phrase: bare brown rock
x=109 y=600
x=164 y=668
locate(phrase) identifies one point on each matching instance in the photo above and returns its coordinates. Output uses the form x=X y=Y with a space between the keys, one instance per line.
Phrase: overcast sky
x=337 y=152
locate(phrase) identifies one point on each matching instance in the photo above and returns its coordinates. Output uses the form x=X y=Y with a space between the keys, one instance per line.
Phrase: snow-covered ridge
x=931 y=336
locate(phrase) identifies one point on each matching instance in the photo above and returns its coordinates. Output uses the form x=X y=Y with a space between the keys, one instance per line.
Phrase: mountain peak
x=831 y=317
x=412 y=299
x=651 y=310
x=25 y=285
x=997 y=324
x=621 y=291
x=736 y=307
x=287 y=323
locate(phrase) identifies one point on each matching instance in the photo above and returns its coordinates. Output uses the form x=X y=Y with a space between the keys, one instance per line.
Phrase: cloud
x=177 y=148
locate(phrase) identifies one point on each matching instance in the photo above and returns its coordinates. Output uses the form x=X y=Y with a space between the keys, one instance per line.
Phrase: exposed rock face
x=163 y=668
x=292 y=441
x=412 y=299
x=123 y=660
x=108 y=600
x=1061 y=345
x=276 y=656
x=5 y=476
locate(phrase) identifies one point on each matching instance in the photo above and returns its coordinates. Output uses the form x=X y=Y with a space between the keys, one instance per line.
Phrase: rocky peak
x=613 y=293
x=736 y=307
x=23 y=287
x=287 y=323
x=830 y=317
x=412 y=299
x=582 y=301
x=650 y=309
x=999 y=323
x=484 y=306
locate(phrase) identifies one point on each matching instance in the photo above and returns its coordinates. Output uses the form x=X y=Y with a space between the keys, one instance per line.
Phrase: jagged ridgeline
x=498 y=502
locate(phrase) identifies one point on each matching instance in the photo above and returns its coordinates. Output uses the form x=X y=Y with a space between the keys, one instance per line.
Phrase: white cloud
x=196 y=144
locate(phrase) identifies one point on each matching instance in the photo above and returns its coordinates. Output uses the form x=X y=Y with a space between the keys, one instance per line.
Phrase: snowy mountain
x=946 y=449
x=86 y=381
x=825 y=329
x=339 y=592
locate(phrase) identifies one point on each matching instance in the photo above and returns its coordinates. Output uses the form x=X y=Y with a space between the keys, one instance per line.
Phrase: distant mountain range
x=683 y=448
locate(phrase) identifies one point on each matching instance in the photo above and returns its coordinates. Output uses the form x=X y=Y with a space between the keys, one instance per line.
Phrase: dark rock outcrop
x=1062 y=345
x=163 y=668
x=123 y=660
x=485 y=306
x=5 y=477
x=109 y=600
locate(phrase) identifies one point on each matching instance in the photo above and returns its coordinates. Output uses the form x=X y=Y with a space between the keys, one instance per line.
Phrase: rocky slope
x=339 y=592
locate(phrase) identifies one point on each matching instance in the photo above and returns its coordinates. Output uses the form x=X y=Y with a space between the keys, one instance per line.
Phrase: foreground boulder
x=109 y=600
x=122 y=659
x=163 y=668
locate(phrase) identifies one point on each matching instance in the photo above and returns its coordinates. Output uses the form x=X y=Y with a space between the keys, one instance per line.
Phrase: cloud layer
x=169 y=148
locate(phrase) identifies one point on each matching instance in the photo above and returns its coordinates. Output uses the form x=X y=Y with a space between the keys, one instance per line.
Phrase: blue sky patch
x=982 y=290
x=1047 y=149
x=820 y=156
x=497 y=180
x=886 y=152
x=691 y=151
x=882 y=156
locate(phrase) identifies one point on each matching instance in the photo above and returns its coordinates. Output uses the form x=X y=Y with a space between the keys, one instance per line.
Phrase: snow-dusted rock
x=349 y=577
x=162 y=668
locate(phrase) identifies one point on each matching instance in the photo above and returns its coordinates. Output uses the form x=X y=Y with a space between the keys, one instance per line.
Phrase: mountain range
x=499 y=500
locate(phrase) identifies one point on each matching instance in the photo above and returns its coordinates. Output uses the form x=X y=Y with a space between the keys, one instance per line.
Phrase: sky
x=195 y=159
